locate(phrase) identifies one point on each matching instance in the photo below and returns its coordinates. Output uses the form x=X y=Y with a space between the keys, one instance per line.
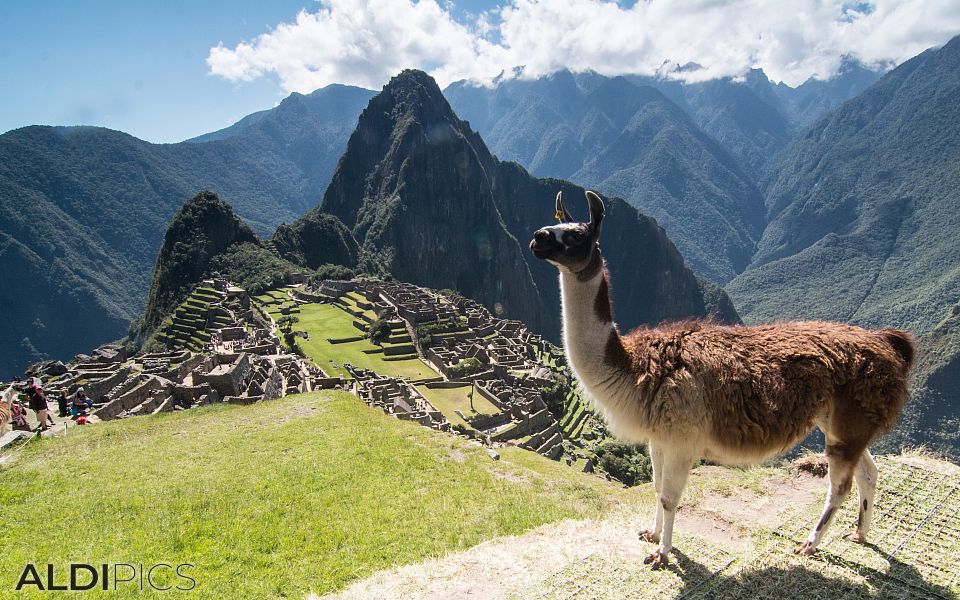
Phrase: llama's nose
x=542 y=235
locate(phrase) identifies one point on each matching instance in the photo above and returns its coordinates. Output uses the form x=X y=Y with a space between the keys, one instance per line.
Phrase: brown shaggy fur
x=768 y=384
x=5 y=416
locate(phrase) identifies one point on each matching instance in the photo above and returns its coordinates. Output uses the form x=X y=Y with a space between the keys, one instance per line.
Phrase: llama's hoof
x=858 y=538
x=657 y=560
x=805 y=549
x=649 y=535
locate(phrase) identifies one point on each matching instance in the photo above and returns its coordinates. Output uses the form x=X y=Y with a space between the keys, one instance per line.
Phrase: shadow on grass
x=822 y=576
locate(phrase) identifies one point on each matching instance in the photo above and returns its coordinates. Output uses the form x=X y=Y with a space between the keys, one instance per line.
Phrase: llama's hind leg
x=841 y=468
x=674 y=472
x=866 y=477
x=656 y=461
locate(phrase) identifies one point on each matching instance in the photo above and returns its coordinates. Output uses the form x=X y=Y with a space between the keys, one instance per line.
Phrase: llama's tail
x=902 y=343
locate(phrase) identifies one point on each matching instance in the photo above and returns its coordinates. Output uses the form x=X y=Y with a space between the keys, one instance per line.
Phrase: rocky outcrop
x=317 y=239
x=201 y=230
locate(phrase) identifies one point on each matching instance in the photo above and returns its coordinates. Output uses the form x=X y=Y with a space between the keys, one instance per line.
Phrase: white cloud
x=365 y=42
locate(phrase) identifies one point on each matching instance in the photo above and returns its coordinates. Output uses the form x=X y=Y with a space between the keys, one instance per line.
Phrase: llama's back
x=765 y=386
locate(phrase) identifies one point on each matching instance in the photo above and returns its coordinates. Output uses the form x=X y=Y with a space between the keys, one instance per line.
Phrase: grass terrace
x=275 y=301
x=302 y=497
x=356 y=303
x=187 y=326
x=448 y=400
x=327 y=321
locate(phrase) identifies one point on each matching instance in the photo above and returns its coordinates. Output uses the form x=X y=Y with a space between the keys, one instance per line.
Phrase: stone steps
x=550 y=447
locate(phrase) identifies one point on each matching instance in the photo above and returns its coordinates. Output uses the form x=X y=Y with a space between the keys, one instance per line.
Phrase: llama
x=730 y=394
x=6 y=403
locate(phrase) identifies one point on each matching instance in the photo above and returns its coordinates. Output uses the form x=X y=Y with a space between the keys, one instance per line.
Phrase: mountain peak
x=204 y=227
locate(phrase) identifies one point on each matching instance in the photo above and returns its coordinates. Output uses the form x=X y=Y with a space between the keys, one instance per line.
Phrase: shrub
x=465 y=368
x=628 y=463
x=378 y=331
x=286 y=322
x=555 y=397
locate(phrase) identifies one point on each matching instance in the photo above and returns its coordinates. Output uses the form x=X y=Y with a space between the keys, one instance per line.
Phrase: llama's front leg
x=656 y=461
x=674 y=472
x=841 y=479
x=866 y=477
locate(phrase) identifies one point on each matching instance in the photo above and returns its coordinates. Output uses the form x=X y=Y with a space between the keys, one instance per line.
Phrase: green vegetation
x=324 y=322
x=448 y=400
x=392 y=186
x=277 y=304
x=866 y=208
x=253 y=267
x=648 y=152
x=84 y=210
x=306 y=496
x=426 y=331
x=465 y=368
x=555 y=396
x=378 y=331
x=189 y=325
x=629 y=463
x=203 y=228
x=316 y=239
x=930 y=417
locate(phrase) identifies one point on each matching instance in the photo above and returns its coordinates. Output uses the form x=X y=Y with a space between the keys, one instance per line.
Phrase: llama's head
x=570 y=246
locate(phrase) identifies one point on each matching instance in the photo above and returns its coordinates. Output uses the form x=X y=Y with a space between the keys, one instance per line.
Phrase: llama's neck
x=590 y=336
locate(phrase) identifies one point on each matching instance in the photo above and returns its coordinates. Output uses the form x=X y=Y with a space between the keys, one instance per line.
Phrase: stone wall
x=134 y=397
x=226 y=378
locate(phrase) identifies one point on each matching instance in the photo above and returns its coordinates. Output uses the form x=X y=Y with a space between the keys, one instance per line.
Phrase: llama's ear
x=562 y=215
x=596 y=209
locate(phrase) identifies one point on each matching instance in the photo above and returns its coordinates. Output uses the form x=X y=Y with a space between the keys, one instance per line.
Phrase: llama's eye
x=577 y=237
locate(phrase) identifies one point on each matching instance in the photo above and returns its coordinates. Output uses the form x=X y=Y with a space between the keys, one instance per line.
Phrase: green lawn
x=303 y=494
x=325 y=321
x=446 y=400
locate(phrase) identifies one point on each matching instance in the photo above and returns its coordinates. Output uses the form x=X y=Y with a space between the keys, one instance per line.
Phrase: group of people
x=13 y=413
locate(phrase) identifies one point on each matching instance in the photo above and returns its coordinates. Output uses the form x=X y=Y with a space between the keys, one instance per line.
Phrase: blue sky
x=132 y=65
x=135 y=66
x=166 y=71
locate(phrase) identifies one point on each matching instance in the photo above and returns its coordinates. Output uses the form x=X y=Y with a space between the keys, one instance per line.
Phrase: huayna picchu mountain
x=428 y=204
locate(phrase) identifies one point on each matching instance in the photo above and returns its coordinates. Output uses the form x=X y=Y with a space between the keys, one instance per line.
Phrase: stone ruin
x=241 y=364
x=509 y=374
x=397 y=397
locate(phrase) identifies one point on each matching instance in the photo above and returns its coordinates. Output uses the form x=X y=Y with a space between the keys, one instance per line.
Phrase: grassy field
x=447 y=400
x=304 y=494
x=325 y=321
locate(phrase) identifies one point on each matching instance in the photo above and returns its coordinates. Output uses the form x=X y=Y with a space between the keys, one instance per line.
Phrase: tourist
x=83 y=400
x=19 y=415
x=38 y=404
x=63 y=403
x=78 y=408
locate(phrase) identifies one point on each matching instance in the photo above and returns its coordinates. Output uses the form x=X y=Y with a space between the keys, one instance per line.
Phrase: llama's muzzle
x=544 y=243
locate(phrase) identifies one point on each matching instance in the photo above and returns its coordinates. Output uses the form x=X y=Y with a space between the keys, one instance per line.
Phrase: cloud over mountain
x=365 y=42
